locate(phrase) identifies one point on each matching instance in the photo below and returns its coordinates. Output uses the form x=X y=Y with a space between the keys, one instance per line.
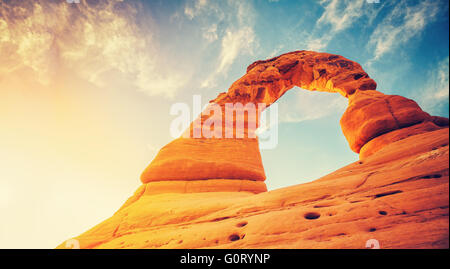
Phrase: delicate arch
x=267 y=80
x=370 y=114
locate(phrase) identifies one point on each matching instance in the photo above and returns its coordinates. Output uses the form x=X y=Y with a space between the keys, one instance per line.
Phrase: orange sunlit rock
x=398 y=196
x=210 y=192
x=197 y=159
x=371 y=114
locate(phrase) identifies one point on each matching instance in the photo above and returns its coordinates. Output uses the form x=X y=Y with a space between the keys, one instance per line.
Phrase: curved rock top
x=267 y=80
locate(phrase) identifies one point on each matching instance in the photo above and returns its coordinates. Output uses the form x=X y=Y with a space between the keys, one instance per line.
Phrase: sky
x=86 y=90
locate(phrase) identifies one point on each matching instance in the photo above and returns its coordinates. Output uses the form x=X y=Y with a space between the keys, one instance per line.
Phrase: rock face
x=204 y=191
x=371 y=114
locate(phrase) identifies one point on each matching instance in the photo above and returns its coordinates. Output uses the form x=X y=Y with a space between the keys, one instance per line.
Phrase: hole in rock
x=387 y=193
x=242 y=224
x=234 y=237
x=372 y=229
x=219 y=219
x=381 y=212
x=433 y=176
x=310 y=142
x=312 y=215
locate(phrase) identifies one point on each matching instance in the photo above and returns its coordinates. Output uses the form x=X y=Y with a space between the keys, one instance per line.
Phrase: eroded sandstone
x=210 y=192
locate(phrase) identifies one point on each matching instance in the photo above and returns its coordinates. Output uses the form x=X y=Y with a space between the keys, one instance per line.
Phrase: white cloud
x=233 y=43
x=442 y=85
x=237 y=36
x=276 y=51
x=210 y=33
x=400 y=26
x=338 y=15
x=318 y=44
x=435 y=92
x=91 y=41
x=194 y=8
x=305 y=105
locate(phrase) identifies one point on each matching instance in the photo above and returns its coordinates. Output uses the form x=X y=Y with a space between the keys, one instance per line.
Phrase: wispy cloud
x=336 y=17
x=276 y=51
x=234 y=42
x=303 y=105
x=90 y=39
x=401 y=25
x=232 y=26
x=194 y=8
x=340 y=14
x=435 y=93
x=318 y=44
x=210 y=33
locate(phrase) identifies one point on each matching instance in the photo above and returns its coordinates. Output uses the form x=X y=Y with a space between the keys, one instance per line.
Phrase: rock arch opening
x=204 y=164
x=310 y=141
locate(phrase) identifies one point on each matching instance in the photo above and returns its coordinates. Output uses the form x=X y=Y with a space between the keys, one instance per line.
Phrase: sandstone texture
x=209 y=192
x=371 y=114
x=197 y=159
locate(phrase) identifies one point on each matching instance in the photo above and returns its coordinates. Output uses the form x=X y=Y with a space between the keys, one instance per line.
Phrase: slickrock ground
x=210 y=192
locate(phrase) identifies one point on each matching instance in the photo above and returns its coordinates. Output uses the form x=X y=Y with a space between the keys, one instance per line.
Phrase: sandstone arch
x=197 y=191
x=267 y=80
x=209 y=164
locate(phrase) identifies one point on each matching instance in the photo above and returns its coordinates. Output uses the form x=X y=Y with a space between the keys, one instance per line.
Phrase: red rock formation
x=214 y=189
x=371 y=114
x=202 y=158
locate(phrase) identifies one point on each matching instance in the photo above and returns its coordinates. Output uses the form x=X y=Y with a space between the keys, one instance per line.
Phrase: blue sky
x=86 y=90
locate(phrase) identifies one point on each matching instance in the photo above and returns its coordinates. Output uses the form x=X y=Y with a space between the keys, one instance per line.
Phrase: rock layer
x=198 y=159
x=209 y=192
x=398 y=196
